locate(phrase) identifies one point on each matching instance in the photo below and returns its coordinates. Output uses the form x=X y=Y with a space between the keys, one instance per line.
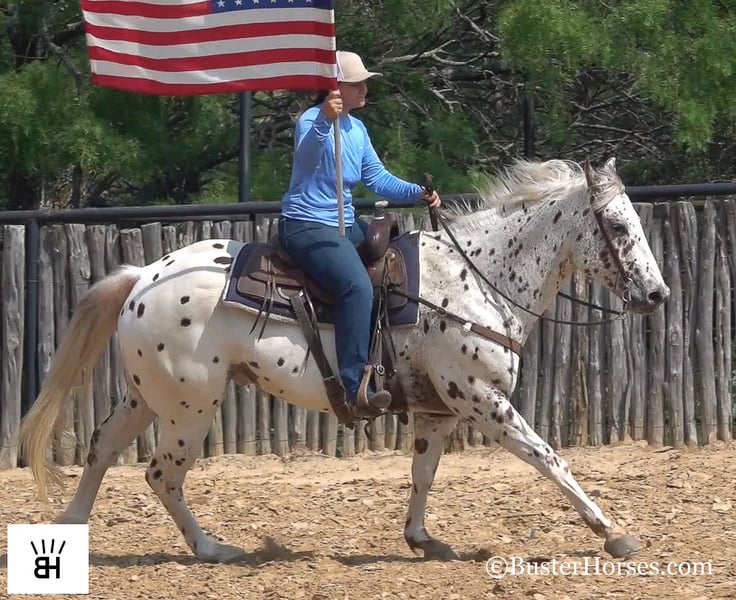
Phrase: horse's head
x=614 y=250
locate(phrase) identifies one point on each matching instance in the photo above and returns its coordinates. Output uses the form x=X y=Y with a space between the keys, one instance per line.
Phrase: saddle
x=264 y=275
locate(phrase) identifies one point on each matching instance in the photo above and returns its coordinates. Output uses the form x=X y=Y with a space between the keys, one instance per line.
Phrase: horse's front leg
x=430 y=433
x=494 y=415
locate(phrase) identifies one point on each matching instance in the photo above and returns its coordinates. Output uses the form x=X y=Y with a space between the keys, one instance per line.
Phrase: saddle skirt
x=264 y=278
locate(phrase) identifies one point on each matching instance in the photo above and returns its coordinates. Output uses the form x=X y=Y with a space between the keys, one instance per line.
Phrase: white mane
x=529 y=182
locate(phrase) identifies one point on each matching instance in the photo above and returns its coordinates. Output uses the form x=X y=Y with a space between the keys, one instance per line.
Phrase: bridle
x=436 y=217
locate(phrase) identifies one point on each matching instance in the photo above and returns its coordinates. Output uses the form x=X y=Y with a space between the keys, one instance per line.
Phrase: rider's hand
x=432 y=199
x=332 y=106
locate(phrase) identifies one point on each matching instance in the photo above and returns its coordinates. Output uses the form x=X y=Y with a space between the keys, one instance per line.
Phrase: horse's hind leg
x=125 y=422
x=175 y=454
x=429 y=443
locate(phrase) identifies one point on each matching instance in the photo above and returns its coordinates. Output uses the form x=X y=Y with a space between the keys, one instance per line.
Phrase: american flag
x=190 y=47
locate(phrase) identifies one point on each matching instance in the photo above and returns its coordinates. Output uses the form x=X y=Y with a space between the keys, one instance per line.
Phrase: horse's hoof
x=223 y=554
x=622 y=546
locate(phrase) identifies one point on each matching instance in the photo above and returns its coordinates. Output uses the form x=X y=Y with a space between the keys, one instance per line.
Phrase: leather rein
x=436 y=217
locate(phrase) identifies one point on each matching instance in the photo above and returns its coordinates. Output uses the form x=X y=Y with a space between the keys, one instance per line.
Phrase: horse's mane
x=529 y=182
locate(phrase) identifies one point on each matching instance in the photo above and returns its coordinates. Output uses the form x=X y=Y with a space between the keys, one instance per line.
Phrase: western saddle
x=272 y=278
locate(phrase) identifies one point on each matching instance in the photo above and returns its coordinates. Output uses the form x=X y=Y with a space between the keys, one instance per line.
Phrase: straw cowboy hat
x=350 y=68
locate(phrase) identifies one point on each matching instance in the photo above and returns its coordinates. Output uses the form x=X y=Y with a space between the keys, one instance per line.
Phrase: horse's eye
x=619 y=229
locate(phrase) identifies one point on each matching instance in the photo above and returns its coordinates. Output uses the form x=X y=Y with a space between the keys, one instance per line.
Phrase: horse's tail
x=89 y=331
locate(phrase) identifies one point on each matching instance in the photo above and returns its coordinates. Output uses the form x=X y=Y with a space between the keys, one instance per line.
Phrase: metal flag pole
x=338 y=158
x=244 y=166
x=338 y=177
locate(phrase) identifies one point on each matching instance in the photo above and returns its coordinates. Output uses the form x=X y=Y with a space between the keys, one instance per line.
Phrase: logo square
x=48 y=559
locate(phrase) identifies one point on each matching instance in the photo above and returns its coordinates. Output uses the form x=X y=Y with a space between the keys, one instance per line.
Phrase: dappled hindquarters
x=320 y=528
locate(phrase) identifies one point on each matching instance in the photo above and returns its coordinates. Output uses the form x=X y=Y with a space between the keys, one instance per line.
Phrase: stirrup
x=378 y=401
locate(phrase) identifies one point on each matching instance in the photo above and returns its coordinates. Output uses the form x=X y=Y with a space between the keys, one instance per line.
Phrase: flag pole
x=338 y=177
x=244 y=170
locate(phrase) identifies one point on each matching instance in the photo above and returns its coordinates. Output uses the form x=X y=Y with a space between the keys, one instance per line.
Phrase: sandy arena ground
x=319 y=528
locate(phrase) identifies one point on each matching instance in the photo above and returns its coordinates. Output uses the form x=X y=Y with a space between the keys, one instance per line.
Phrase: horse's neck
x=525 y=253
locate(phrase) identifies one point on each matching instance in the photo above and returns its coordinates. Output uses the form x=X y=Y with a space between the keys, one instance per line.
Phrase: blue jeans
x=332 y=261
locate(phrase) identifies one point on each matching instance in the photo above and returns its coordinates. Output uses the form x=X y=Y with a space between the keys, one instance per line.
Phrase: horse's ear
x=611 y=165
x=589 y=174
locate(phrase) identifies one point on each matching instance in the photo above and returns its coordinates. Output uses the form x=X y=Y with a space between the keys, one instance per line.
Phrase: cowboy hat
x=350 y=68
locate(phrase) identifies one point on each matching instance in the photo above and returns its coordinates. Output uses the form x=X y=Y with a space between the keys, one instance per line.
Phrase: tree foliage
x=648 y=81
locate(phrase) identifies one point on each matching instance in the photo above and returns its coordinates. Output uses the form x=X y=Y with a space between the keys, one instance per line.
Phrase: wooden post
x=688 y=234
x=674 y=349
x=65 y=442
x=530 y=376
x=549 y=342
x=578 y=434
x=13 y=307
x=101 y=377
x=705 y=388
x=595 y=379
x=561 y=395
x=655 y=356
x=722 y=329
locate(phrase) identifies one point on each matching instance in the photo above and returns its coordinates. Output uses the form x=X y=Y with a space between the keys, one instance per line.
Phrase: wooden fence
x=666 y=378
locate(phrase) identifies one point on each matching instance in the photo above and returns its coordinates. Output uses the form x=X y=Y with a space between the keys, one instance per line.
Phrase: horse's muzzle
x=648 y=300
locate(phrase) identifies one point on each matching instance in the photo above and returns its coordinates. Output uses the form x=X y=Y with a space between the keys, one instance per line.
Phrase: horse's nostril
x=656 y=297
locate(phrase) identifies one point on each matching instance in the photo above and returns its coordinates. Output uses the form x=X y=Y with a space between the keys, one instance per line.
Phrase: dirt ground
x=319 y=528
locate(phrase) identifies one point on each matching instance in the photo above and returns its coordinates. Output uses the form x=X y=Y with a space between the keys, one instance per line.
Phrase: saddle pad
x=405 y=315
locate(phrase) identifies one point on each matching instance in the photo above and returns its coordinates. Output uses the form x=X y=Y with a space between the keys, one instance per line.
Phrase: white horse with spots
x=180 y=342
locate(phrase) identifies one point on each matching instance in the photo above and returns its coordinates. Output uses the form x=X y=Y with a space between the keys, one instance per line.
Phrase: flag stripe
x=234 y=73
x=254 y=32
x=242 y=17
x=297 y=43
x=148 y=86
x=214 y=62
x=146 y=10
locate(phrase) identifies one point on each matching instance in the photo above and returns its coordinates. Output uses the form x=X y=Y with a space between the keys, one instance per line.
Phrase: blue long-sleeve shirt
x=312 y=193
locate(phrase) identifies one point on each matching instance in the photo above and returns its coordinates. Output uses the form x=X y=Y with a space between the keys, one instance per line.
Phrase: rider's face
x=353 y=94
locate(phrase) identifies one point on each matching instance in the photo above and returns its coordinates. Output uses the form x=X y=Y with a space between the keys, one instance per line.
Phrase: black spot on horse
x=253 y=364
x=180 y=442
x=184 y=299
x=218 y=245
x=141 y=308
x=280 y=362
x=453 y=391
x=463 y=274
x=426 y=326
x=420 y=446
x=157 y=473
x=186 y=322
x=443 y=326
x=216 y=359
x=445 y=302
x=168 y=264
x=137 y=381
x=133 y=403
x=224 y=260
x=464 y=349
x=160 y=347
x=131 y=306
x=155 y=277
x=139 y=352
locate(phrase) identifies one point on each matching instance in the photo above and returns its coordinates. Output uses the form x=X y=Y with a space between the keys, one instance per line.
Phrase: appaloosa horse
x=497 y=266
